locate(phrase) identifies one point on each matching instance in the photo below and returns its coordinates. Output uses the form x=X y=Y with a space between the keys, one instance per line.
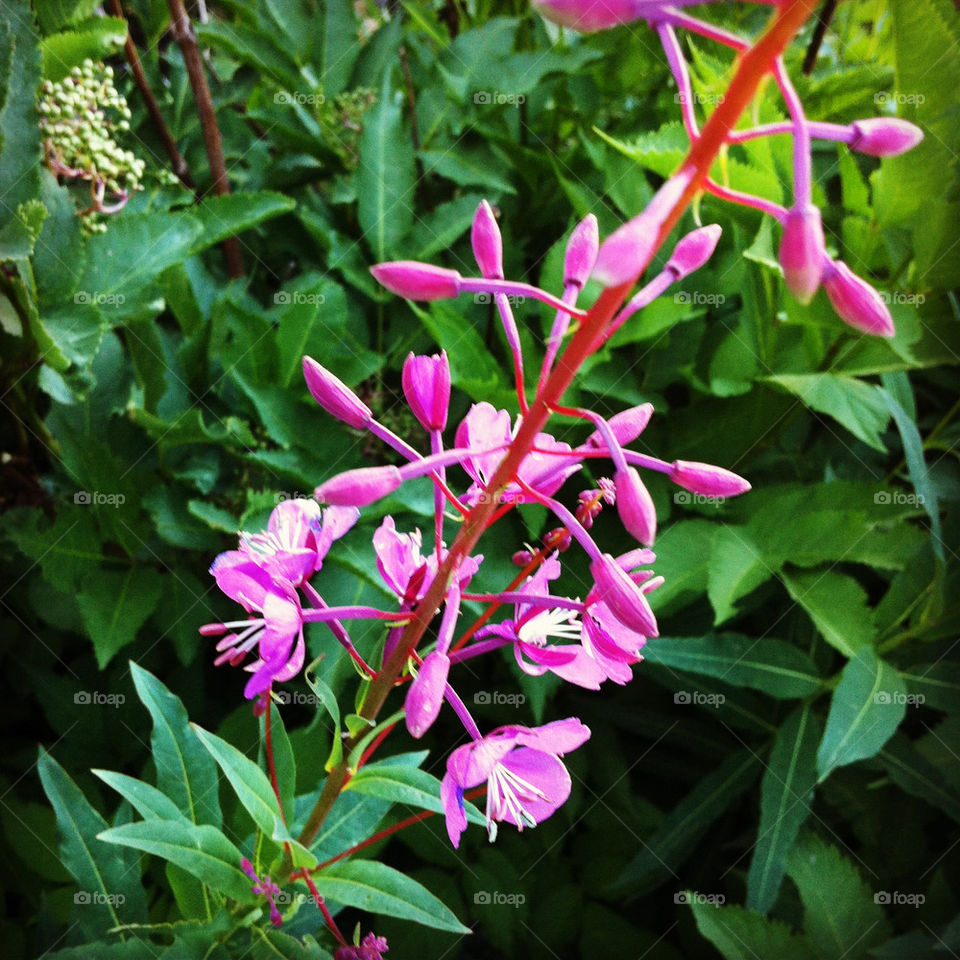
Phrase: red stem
x=322 y=907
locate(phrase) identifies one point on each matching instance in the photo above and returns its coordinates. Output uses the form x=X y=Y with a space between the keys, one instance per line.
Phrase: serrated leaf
x=185 y=770
x=109 y=889
x=377 y=888
x=772 y=666
x=230 y=215
x=786 y=793
x=837 y=604
x=865 y=711
x=203 y=851
x=738 y=933
x=840 y=917
x=96 y=39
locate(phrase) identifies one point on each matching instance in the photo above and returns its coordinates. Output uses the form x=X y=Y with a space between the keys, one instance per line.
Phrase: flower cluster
x=803 y=255
x=584 y=641
x=80 y=117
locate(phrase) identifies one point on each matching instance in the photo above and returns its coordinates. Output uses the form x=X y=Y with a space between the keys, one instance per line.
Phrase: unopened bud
x=359 y=488
x=417 y=281
x=581 y=253
x=487 y=242
x=426 y=385
x=706 y=479
x=425 y=696
x=334 y=395
x=802 y=252
x=624 y=598
x=635 y=506
x=694 y=250
x=856 y=302
x=884 y=136
x=626 y=426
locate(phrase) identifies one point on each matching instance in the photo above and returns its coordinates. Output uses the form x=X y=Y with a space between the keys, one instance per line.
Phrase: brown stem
x=177 y=163
x=186 y=40
x=754 y=66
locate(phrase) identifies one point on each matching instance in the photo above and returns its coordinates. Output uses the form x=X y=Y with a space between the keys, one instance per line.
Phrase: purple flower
x=483 y=427
x=426 y=385
x=400 y=558
x=360 y=487
x=487 y=242
x=526 y=781
x=621 y=593
x=264 y=887
x=706 y=479
x=534 y=624
x=371 y=947
x=856 y=302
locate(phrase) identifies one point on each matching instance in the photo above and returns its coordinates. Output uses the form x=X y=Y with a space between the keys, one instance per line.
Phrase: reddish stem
x=268 y=748
x=304 y=874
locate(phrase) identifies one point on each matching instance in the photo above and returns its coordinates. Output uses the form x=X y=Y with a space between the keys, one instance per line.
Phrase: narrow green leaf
x=148 y=801
x=938 y=684
x=377 y=888
x=202 y=851
x=185 y=770
x=913 y=773
x=786 y=793
x=771 y=666
x=867 y=707
x=327 y=700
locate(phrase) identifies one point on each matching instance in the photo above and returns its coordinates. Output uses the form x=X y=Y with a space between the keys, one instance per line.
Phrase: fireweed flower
x=526 y=780
x=263 y=887
x=371 y=947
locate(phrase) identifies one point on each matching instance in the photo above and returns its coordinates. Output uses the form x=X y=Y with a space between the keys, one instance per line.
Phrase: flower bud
x=624 y=598
x=884 y=136
x=856 y=302
x=588 y=15
x=635 y=506
x=802 y=252
x=359 y=488
x=426 y=385
x=425 y=696
x=694 y=250
x=334 y=395
x=706 y=479
x=487 y=242
x=626 y=426
x=581 y=253
x=417 y=281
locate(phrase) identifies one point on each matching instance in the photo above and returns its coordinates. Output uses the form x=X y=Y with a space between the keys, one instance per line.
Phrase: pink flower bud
x=628 y=250
x=487 y=242
x=694 y=250
x=626 y=426
x=521 y=558
x=588 y=15
x=417 y=281
x=359 y=488
x=624 y=598
x=426 y=385
x=334 y=395
x=635 y=506
x=706 y=479
x=581 y=254
x=884 y=136
x=425 y=696
x=856 y=302
x=802 y=252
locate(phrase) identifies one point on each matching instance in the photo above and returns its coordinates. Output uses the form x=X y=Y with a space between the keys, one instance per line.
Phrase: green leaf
x=109 y=890
x=230 y=215
x=786 y=793
x=737 y=566
x=441 y=228
x=148 y=801
x=55 y=14
x=387 y=175
x=937 y=683
x=914 y=774
x=865 y=711
x=468 y=167
x=405 y=785
x=856 y=405
x=96 y=39
x=326 y=699
x=739 y=933
x=185 y=770
x=676 y=837
x=115 y=605
x=837 y=604
x=284 y=760
x=377 y=888
x=772 y=666
x=840 y=917
x=202 y=851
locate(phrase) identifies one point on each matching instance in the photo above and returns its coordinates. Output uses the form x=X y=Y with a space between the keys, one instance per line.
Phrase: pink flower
x=526 y=781
x=483 y=427
x=425 y=696
x=371 y=947
x=426 y=385
x=802 y=252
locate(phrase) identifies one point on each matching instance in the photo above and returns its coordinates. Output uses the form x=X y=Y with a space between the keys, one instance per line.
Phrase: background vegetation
x=792 y=743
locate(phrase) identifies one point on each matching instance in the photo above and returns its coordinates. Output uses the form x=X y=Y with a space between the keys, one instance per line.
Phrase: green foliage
x=790 y=743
